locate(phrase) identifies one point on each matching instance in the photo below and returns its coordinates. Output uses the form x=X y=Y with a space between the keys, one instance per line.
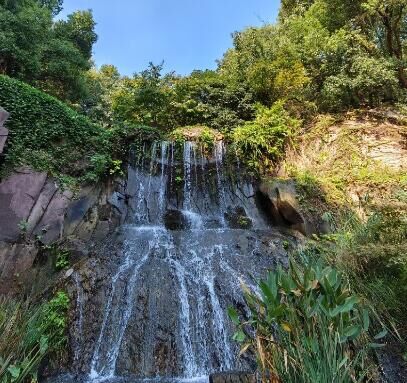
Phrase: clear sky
x=186 y=34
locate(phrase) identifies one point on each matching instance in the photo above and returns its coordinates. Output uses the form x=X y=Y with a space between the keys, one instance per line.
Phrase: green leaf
x=234 y=316
x=239 y=336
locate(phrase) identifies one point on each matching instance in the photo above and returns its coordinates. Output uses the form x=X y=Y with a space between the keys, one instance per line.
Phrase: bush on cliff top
x=45 y=133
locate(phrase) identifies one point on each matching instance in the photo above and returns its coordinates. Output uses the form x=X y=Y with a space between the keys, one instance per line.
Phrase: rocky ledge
x=36 y=213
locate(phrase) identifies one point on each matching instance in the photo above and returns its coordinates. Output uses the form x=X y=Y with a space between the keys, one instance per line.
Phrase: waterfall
x=173 y=269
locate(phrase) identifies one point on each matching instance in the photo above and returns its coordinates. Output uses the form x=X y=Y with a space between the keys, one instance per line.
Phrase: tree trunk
x=393 y=41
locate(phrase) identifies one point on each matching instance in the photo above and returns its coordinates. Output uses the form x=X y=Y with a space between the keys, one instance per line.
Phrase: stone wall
x=35 y=211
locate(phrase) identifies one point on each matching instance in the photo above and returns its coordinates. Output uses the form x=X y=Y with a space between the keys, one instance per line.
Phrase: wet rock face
x=175 y=220
x=152 y=300
x=165 y=295
x=237 y=218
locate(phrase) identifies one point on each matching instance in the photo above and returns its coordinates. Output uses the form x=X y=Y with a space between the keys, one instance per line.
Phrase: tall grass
x=28 y=332
x=374 y=257
x=22 y=344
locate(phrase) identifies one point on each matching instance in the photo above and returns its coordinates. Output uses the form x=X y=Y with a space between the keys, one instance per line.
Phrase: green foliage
x=303 y=316
x=143 y=99
x=101 y=86
x=54 y=320
x=374 y=254
x=362 y=80
x=61 y=258
x=50 y=55
x=207 y=139
x=46 y=134
x=203 y=98
x=28 y=332
x=203 y=135
x=336 y=54
x=262 y=141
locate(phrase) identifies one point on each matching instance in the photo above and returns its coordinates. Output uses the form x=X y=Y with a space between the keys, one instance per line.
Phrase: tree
x=390 y=20
x=51 y=56
x=101 y=86
x=23 y=33
x=79 y=28
x=55 y=6
x=144 y=98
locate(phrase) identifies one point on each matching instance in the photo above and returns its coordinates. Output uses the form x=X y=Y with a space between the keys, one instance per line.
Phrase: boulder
x=237 y=218
x=18 y=194
x=175 y=220
x=280 y=201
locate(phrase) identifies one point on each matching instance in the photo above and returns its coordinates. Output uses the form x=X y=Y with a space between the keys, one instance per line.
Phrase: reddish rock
x=18 y=194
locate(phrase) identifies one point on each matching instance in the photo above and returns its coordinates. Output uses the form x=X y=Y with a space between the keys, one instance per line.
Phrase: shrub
x=305 y=326
x=45 y=133
x=49 y=136
x=262 y=142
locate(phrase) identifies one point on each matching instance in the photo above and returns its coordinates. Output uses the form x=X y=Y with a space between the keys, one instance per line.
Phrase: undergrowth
x=306 y=325
x=28 y=332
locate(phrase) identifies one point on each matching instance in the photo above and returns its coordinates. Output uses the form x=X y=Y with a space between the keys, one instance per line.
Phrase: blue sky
x=186 y=34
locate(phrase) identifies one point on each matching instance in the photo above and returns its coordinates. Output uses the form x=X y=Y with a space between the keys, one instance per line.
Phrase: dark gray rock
x=233 y=377
x=101 y=231
x=86 y=227
x=18 y=194
x=237 y=218
x=41 y=205
x=78 y=208
x=175 y=220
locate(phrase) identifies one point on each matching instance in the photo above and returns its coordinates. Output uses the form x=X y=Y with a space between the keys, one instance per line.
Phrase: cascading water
x=157 y=305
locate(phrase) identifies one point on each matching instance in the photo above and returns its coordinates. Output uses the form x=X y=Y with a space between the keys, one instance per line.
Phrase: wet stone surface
x=151 y=303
